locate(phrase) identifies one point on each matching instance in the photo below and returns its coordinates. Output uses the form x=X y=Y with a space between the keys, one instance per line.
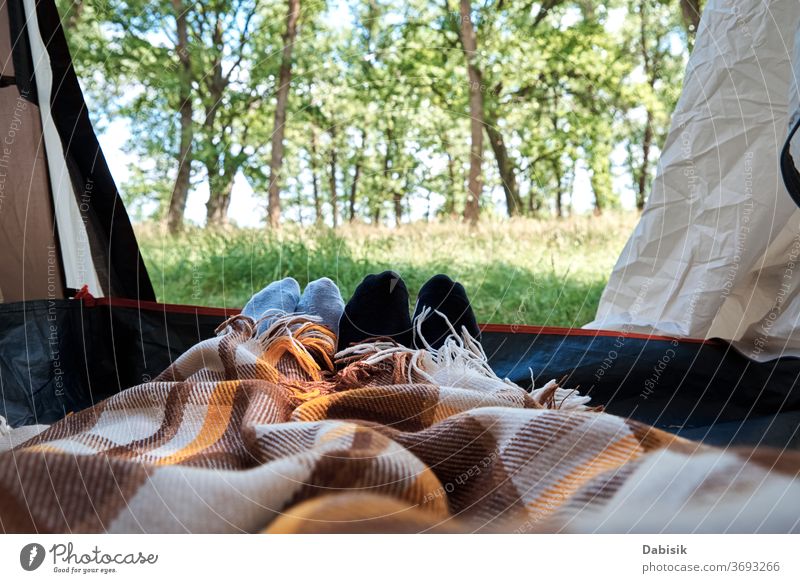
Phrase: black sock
x=450 y=298
x=378 y=308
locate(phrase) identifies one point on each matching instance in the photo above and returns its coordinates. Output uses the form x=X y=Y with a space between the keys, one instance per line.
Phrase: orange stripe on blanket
x=218 y=415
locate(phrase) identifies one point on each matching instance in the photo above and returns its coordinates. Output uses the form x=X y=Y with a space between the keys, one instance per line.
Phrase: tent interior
x=696 y=332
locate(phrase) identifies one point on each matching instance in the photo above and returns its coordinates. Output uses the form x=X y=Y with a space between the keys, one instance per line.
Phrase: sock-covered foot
x=322 y=298
x=277 y=299
x=378 y=308
x=450 y=298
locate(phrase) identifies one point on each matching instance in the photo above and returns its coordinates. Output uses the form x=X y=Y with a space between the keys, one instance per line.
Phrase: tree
x=165 y=63
x=357 y=162
x=276 y=157
x=312 y=164
x=180 y=191
x=236 y=42
x=469 y=43
x=382 y=115
x=691 y=10
x=129 y=74
x=650 y=98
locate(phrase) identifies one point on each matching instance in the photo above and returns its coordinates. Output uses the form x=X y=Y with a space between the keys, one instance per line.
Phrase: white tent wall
x=717 y=250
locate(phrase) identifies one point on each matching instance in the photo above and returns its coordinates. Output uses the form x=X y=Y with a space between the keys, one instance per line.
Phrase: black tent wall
x=60 y=356
x=115 y=252
x=701 y=390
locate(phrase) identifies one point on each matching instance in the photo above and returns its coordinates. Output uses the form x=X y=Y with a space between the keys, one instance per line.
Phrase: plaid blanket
x=248 y=432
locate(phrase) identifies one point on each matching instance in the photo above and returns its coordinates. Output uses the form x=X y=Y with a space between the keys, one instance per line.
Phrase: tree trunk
x=315 y=179
x=220 y=199
x=531 y=199
x=600 y=165
x=180 y=190
x=332 y=179
x=650 y=70
x=353 y=191
x=357 y=172
x=429 y=210
x=397 y=197
x=284 y=80
x=557 y=173
x=691 y=10
x=644 y=171
x=469 y=44
x=218 y=179
x=587 y=8
x=397 y=200
x=74 y=15
x=570 y=186
x=559 y=203
x=450 y=199
x=505 y=165
x=220 y=186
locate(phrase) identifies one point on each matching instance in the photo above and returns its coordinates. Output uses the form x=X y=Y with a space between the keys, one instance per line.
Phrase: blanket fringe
x=461 y=361
x=553 y=396
x=460 y=354
x=304 y=337
x=299 y=336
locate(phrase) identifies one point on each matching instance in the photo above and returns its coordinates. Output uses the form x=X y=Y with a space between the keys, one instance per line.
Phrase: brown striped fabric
x=271 y=432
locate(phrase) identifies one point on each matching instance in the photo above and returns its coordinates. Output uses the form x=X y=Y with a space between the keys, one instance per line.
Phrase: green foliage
x=380 y=93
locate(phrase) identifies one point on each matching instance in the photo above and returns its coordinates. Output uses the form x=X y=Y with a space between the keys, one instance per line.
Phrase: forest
x=383 y=112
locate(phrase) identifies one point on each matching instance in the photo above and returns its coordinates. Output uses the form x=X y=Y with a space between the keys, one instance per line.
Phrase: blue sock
x=322 y=298
x=277 y=299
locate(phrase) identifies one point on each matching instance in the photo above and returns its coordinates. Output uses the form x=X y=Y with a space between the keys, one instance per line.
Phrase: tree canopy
x=384 y=111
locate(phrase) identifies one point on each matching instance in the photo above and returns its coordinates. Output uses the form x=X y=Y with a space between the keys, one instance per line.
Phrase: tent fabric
x=265 y=423
x=77 y=264
x=61 y=356
x=32 y=269
x=28 y=270
x=791 y=177
x=791 y=149
x=704 y=390
x=6 y=56
x=13 y=19
x=717 y=250
x=65 y=204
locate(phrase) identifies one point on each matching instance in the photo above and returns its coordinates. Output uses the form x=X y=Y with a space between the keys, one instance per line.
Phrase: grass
x=520 y=271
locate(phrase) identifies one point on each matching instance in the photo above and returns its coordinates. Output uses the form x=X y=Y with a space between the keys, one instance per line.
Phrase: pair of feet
x=321 y=299
x=379 y=308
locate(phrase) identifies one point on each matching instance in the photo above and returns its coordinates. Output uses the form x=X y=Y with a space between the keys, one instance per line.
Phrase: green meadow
x=519 y=271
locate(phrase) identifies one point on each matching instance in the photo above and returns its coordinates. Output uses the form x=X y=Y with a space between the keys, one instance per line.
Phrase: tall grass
x=516 y=271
